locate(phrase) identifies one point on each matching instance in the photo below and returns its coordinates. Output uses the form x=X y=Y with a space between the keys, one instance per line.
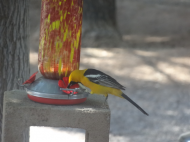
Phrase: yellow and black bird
x=100 y=83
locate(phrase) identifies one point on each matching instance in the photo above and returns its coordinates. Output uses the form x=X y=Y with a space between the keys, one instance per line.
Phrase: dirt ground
x=155 y=69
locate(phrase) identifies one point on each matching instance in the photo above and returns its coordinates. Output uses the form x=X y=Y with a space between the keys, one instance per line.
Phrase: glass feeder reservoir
x=60 y=37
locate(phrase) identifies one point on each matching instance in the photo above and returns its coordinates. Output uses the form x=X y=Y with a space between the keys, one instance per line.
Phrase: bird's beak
x=71 y=83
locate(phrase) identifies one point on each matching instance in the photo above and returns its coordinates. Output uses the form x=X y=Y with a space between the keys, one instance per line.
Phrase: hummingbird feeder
x=59 y=53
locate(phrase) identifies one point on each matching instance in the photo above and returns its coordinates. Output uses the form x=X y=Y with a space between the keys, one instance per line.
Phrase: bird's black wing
x=103 y=79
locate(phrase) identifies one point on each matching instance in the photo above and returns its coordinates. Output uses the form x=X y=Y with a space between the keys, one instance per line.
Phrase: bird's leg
x=106 y=99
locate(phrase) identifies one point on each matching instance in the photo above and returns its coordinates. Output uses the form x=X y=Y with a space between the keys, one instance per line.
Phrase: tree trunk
x=14 y=52
x=99 y=23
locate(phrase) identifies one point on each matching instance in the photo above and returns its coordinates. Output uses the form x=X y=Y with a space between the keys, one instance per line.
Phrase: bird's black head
x=71 y=83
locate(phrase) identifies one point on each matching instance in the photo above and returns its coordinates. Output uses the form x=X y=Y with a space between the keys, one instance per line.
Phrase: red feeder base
x=56 y=101
x=47 y=91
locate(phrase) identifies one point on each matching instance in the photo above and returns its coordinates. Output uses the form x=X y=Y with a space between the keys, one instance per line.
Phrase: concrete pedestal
x=20 y=113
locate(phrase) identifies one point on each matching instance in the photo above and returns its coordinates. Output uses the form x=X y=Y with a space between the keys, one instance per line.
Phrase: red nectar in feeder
x=60 y=37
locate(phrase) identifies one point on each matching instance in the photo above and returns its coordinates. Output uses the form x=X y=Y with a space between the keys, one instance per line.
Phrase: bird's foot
x=105 y=100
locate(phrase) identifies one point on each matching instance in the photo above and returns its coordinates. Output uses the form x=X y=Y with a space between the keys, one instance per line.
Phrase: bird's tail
x=131 y=101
